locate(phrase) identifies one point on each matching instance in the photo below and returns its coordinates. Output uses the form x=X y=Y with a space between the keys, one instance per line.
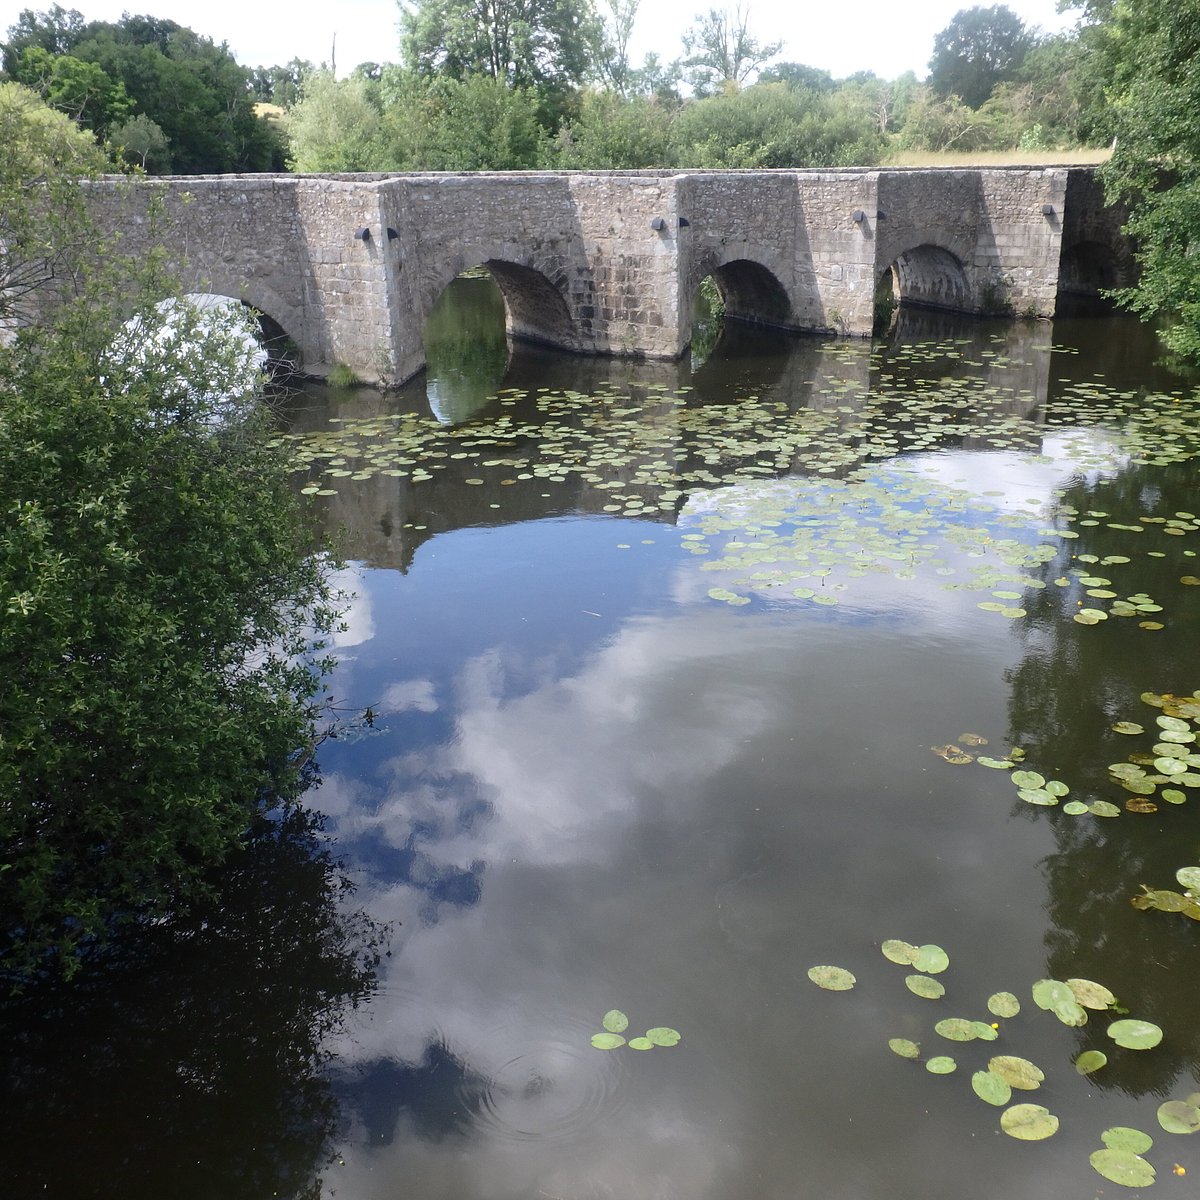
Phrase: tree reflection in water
x=187 y=1062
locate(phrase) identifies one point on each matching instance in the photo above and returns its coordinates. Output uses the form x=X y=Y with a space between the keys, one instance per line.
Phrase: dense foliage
x=1154 y=48
x=176 y=100
x=159 y=608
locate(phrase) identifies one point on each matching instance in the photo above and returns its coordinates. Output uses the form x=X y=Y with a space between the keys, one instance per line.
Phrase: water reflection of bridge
x=852 y=390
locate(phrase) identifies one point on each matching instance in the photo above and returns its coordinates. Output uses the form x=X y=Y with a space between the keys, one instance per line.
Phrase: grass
x=1079 y=157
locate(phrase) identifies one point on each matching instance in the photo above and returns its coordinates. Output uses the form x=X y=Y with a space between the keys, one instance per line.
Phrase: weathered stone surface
x=608 y=262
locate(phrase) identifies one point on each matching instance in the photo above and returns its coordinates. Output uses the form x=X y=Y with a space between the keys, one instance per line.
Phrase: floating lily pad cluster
x=1170 y=766
x=1072 y=1002
x=1186 y=903
x=616 y=1023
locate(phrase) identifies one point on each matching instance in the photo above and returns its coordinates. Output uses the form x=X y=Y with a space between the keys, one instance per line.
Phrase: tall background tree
x=980 y=48
x=720 y=52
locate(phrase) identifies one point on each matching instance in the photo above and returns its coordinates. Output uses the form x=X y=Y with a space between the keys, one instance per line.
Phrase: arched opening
x=466 y=347
x=535 y=310
x=1086 y=271
x=928 y=276
x=742 y=292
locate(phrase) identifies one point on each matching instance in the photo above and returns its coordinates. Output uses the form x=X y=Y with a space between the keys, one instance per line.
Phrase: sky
x=888 y=37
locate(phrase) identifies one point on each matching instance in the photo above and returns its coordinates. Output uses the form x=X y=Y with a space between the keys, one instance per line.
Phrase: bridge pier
x=608 y=262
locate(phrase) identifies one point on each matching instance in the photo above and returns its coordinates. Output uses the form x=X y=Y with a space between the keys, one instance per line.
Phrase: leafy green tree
x=942 y=124
x=157 y=600
x=280 y=85
x=1155 y=94
x=546 y=45
x=335 y=126
x=612 y=134
x=141 y=143
x=56 y=31
x=797 y=75
x=720 y=52
x=472 y=124
x=611 y=54
x=79 y=89
x=45 y=153
x=771 y=125
x=980 y=48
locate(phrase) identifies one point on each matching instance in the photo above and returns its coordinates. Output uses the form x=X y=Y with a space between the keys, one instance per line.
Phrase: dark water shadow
x=187 y=1061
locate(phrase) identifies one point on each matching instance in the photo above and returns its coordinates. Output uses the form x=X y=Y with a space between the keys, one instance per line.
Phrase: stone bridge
x=349 y=266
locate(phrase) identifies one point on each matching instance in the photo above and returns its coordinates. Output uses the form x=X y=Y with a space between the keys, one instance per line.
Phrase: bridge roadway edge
x=608 y=262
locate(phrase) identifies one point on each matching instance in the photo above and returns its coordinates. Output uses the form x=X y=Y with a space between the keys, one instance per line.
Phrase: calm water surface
x=658 y=657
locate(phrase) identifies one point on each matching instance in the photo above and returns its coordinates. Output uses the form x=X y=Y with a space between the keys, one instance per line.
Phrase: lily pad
x=991 y=1088
x=1123 y=1137
x=832 y=979
x=661 y=1035
x=1102 y=808
x=1189 y=877
x=1123 y=1167
x=997 y=764
x=1135 y=1035
x=955 y=1029
x=899 y=952
x=1029 y=1122
x=1089 y=1061
x=1091 y=994
x=925 y=987
x=641 y=1043
x=615 y=1021
x=942 y=1065
x=1016 y=1072
x=904 y=1047
x=607 y=1041
x=931 y=959
x=1178 y=1116
x=1027 y=779
x=1003 y=1004
x=1075 y=808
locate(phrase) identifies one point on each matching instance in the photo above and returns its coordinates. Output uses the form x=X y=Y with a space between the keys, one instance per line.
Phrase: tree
x=335 y=126
x=193 y=90
x=45 y=153
x=546 y=45
x=1155 y=96
x=158 y=601
x=720 y=51
x=770 y=125
x=612 y=134
x=797 y=75
x=612 y=52
x=141 y=143
x=980 y=48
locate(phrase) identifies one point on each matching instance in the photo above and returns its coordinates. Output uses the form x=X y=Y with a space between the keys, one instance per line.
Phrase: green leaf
x=1178 y=1116
x=1122 y=1137
x=991 y=1088
x=1029 y=1122
x=923 y=986
x=904 y=1048
x=955 y=1029
x=899 y=952
x=1016 y=1072
x=1089 y=1061
x=1003 y=1004
x=661 y=1035
x=615 y=1021
x=607 y=1041
x=1123 y=1167
x=641 y=1043
x=832 y=979
x=942 y=1065
x=931 y=960
x=1135 y=1035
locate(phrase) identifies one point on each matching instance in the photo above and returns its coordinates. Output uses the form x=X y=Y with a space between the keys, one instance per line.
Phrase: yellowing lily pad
x=1003 y=1004
x=904 y=1047
x=991 y=1088
x=1016 y=1072
x=615 y=1021
x=1123 y=1167
x=832 y=979
x=1029 y=1122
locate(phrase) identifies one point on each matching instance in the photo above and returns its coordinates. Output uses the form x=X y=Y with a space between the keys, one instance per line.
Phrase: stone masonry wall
x=603 y=262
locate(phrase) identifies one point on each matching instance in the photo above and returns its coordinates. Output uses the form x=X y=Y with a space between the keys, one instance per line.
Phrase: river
x=684 y=679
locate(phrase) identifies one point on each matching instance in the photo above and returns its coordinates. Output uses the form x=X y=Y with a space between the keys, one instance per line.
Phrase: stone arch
x=535 y=308
x=1087 y=269
x=281 y=327
x=750 y=291
x=929 y=276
